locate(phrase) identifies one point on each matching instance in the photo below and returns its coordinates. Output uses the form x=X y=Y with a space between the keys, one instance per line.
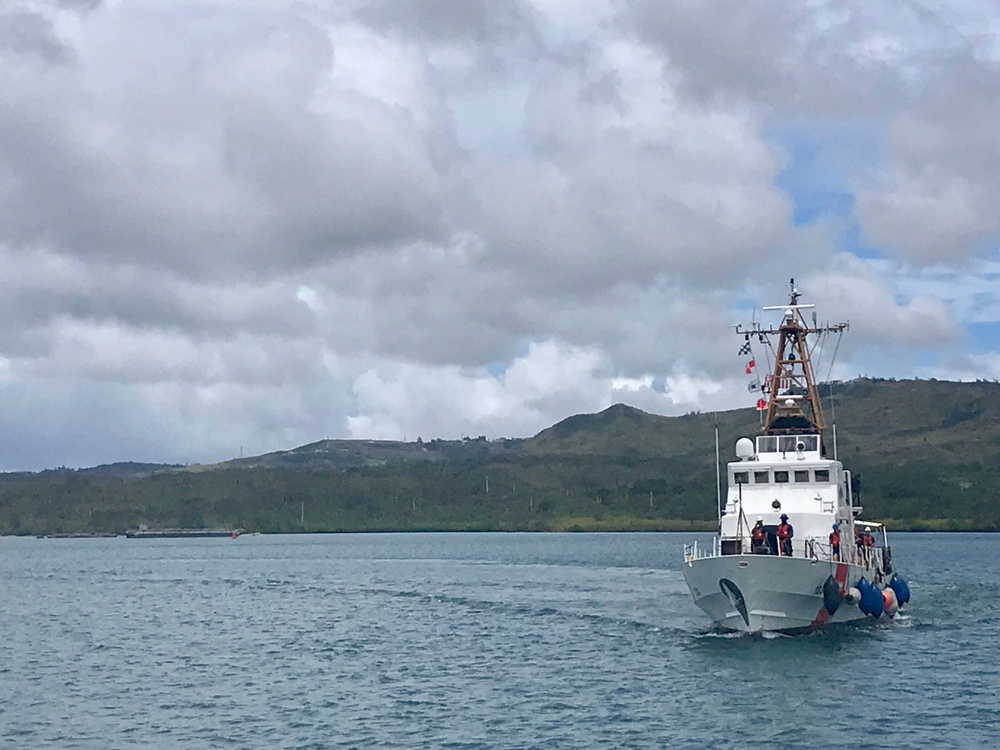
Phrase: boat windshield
x=787 y=443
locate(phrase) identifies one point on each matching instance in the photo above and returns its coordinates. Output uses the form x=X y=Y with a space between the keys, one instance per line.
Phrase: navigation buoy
x=852 y=596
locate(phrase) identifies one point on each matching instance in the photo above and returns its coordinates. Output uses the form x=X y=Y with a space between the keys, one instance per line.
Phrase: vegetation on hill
x=925 y=452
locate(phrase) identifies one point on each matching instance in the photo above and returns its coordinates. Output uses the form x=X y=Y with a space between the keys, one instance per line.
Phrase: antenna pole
x=833 y=411
x=718 y=469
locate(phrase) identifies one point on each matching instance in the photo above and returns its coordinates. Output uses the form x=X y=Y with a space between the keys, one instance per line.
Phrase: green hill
x=925 y=453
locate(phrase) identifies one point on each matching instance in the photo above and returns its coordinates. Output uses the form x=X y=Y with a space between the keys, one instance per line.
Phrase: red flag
x=761 y=404
x=750 y=365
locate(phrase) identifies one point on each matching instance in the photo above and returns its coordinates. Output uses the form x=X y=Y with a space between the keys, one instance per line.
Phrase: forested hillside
x=926 y=454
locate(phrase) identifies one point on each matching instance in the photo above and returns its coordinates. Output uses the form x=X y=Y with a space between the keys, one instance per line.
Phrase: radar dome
x=744 y=448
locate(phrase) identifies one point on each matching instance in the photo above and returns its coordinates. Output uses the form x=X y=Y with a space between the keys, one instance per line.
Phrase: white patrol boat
x=754 y=578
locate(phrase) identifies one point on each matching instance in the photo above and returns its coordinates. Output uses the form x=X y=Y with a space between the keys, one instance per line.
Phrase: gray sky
x=247 y=226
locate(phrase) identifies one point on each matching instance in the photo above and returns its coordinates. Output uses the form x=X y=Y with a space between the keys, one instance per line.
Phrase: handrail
x=813 y=548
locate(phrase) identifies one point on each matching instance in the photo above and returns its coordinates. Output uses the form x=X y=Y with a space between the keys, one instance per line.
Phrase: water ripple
x=466 y=641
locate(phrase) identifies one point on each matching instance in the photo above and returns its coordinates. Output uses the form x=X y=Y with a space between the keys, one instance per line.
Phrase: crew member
x=835 y=542
x=758 y=538
x=785 y=533
x=867 y=540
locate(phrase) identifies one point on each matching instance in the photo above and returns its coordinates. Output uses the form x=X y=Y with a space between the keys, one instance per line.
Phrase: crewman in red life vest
x=785 y=533
x=835 y=542
x=867 y=539
x=758 y=538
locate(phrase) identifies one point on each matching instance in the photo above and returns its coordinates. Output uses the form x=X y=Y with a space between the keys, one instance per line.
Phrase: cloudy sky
x=244 y=226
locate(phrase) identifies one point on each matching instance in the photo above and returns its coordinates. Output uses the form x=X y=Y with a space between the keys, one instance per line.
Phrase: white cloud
x=685 y=390
x=868 y=299
x=970 y=367
x=251 y=224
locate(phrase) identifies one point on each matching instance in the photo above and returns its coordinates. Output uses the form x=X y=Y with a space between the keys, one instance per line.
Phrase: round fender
x=852 y=596
x=889 y=604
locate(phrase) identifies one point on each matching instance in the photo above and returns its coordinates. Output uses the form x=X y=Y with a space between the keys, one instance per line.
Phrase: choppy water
x=469 y=641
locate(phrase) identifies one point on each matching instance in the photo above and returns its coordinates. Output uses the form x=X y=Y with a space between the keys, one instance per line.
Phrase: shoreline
x=579 y=526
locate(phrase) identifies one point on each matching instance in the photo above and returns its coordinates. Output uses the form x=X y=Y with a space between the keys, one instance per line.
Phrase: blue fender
x=871 y=598
x=900 y=589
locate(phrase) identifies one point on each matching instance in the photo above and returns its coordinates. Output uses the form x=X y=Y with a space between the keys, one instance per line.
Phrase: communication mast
x=793 y=404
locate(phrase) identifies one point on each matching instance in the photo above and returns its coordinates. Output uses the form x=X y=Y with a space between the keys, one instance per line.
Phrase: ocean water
x=470 y=641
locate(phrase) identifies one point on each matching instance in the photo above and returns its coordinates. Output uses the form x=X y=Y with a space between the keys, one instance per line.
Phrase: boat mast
x=793 y=405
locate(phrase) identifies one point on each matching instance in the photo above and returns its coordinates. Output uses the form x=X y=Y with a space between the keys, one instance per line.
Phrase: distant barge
x=144 y=532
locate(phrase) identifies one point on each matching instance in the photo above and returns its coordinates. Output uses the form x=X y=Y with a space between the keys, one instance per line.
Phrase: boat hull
x=763 y=593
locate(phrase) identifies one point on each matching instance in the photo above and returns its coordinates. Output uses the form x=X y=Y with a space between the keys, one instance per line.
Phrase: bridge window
x=767 y=444
x=793 y=443
x=760 y=477
x=823 y=475
x=802 y=475
x=781 y=477
x=741 y=477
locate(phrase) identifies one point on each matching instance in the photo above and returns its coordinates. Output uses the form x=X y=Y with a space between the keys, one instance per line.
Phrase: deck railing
x=813 y=548
x=697 y=552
